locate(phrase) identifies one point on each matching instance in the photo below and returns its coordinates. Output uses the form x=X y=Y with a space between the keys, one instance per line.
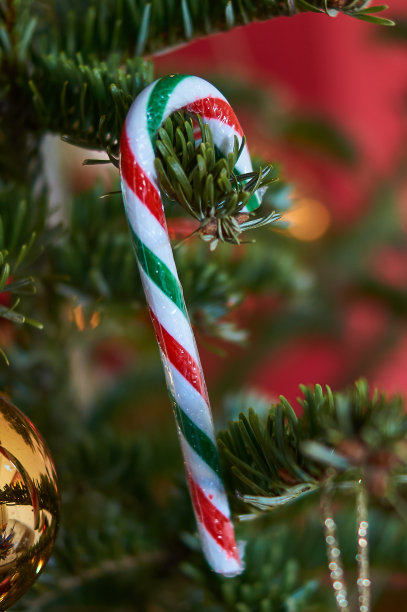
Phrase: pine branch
x=94 y=263
x=353 y=8
x=61 y=72
x=204 y=183
x=87 y=103
x=141 y=27
x=22 y=239
x=277 y=460
x=271 y=581
x=84 y=100
x=18 y=150
x=14 y=284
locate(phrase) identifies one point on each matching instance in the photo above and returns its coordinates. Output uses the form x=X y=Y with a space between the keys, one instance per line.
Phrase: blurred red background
x=350 y=72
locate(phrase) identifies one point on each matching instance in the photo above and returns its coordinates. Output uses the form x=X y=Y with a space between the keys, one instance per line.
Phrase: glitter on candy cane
x=163 y=291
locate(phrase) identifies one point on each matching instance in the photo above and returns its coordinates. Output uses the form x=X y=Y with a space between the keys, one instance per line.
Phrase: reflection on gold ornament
x=29 y=504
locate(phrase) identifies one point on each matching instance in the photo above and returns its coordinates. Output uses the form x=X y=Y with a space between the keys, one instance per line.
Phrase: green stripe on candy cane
x=159 y=273
x=196 y=438
x=157 y=102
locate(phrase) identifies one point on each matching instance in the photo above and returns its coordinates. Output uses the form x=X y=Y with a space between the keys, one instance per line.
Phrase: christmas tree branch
x=22 y=239
x=143 y=27
x=359 y=9
x=67 y=73
x=197 y=176
x=94 y=260
x=281 y=458
x=87 y=103
x=13 y=284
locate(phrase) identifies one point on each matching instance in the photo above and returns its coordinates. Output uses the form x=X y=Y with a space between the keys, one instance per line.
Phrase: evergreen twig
x=67 y=73
x=197 y=176
x=87 y=103
x=353 y=8
x=141 y=27
x=282 y=458
x=22 y=237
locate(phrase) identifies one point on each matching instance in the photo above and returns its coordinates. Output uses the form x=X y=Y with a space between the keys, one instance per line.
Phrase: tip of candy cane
x=231 y=573
x=225 y=564
x=230 y=570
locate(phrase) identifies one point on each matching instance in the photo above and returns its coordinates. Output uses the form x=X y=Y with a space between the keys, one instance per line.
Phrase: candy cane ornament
x=184 y=376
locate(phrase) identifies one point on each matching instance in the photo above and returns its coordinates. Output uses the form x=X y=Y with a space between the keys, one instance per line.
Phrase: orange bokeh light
x=308 y=219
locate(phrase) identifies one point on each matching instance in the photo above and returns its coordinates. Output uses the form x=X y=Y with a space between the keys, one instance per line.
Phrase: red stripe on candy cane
x=138 y=181
x=214 y=521
x=179 y=357
x=215 y=108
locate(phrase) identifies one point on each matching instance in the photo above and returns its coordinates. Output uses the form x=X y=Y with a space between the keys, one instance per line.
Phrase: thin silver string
x=362 y=555
x=336 y=572
x=291 y=7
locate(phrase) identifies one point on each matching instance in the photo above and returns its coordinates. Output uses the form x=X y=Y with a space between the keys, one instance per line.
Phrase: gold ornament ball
x=29 y=503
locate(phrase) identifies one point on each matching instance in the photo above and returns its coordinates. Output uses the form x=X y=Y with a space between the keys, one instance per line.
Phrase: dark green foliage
x=64 y=64
x=86 y=102
x=22 y=221
x=271 y=582
x=22 y=216
x=83 y=99
x=136 y=27
x=205 y=183
x=96 y=255
x=94 y=259
x=274 y=460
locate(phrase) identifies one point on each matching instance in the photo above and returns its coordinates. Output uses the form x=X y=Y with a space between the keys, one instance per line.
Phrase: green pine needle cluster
x=277 y=459
x=272 y=581
x=204 y=182
x=22 y=220
x=359 y=9
x=87 y=102
x=139 y=27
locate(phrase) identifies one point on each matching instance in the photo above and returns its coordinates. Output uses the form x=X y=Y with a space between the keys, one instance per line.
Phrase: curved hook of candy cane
x=184 y=376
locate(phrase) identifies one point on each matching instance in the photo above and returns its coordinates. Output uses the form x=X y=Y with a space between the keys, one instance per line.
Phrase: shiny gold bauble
x=29 y=503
